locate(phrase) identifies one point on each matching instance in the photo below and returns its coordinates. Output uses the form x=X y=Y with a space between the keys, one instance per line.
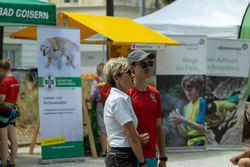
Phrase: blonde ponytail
x=5 y=64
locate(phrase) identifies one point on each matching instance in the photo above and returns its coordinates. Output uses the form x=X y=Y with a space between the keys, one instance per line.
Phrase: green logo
x=244 y=46
x=201 y=41
x=49 y=81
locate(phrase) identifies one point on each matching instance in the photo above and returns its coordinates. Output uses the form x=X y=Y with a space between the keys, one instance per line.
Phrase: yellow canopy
x=119 y=30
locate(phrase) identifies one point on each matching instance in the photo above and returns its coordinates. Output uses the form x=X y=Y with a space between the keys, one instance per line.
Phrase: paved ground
x=211 y=158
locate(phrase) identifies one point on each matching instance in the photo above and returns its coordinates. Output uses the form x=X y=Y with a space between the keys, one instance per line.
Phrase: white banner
x=228 y=57
x=60 y=98
x=186 y=58
x=219 y=69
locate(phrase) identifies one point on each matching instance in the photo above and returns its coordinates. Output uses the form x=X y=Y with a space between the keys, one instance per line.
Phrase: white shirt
x=118 y=111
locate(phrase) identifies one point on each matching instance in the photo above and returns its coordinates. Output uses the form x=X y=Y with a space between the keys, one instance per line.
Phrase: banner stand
x=186 y=149
x=50 y=161
x=220 y=67
x=33 y=141
x=205 y=148
x=89 y=131
x=226 y=148
x=88 y=124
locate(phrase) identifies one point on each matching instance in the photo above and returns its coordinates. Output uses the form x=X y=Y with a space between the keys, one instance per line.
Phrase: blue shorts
x=151 y=162
x=6 y=114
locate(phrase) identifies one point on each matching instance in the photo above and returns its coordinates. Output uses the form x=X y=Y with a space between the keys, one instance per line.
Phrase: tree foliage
x=167 y=1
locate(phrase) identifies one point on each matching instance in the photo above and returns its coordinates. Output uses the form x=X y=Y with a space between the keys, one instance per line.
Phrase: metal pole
x=109 y=12
x=110 y=8
x=142 y=7
x=157 y=6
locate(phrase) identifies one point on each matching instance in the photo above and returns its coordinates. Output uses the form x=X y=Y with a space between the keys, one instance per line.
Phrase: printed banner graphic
x=203 y=89
x=60 y=99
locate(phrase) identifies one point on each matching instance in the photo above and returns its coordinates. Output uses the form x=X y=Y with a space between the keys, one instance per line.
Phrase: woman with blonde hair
x=120 y=119
x=9 y=89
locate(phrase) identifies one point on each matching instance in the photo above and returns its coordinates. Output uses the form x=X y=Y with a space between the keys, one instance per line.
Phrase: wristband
x=236 y=159
x=142 y=163
x=163 y=158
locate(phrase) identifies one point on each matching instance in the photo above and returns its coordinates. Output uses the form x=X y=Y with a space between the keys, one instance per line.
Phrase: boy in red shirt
x=147 y=106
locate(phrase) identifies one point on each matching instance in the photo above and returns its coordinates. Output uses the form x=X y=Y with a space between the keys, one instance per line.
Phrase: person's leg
x=101 y=127
x=244 y=162
x=13 y=141
x=4 y=145
x=103 y=140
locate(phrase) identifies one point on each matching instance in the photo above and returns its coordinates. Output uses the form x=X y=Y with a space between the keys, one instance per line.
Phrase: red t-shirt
x=10 y=87
x=147 y=107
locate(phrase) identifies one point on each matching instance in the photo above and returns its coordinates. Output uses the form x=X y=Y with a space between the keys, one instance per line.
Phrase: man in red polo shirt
x=147 y=106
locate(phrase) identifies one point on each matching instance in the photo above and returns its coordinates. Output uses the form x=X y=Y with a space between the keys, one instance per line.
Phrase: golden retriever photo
x=57 y=47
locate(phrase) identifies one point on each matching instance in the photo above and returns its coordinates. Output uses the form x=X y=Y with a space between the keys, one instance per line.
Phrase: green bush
x=28 y=104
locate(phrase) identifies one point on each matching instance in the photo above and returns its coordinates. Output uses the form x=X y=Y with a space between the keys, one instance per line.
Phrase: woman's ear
x=116 y=79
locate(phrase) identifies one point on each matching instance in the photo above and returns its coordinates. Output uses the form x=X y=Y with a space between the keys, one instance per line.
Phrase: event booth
x=60 y=97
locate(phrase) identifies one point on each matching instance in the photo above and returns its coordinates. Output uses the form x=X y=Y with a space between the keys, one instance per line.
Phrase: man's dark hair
x=209 y=97
x=193 y=81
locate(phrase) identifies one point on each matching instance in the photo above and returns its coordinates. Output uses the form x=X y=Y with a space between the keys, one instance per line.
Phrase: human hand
x=176 y=118
x=248 y=114
x=162 y=164
x=233 y=160
x=144 y=137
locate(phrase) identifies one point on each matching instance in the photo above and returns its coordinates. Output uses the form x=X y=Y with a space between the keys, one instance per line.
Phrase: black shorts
x=5 y=113
x=121 y=157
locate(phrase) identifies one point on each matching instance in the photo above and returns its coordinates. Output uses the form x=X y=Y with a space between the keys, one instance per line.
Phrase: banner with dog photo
x=226 y=85
x=60 y=99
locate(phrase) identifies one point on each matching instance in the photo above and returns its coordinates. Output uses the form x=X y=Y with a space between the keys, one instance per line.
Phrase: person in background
x=96 y=97
x=120 y=119
x=9 y=89
x=147 y=106
x=242 y=160
x=191 y=124
x=216 y=112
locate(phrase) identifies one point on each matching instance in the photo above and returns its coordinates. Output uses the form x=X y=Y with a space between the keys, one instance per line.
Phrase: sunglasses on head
x=145 y=65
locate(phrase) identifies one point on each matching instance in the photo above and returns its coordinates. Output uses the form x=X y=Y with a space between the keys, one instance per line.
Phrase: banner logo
x=49 y=81
x=244 y=46
x=201 y=41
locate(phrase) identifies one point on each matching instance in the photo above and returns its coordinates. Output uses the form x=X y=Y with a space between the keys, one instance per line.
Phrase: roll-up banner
x=172 y=64
x=203 y=87
x=226 y=81
x=60 y=99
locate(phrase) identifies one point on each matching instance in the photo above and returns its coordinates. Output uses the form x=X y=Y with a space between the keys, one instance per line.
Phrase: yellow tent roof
x=119 y=30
